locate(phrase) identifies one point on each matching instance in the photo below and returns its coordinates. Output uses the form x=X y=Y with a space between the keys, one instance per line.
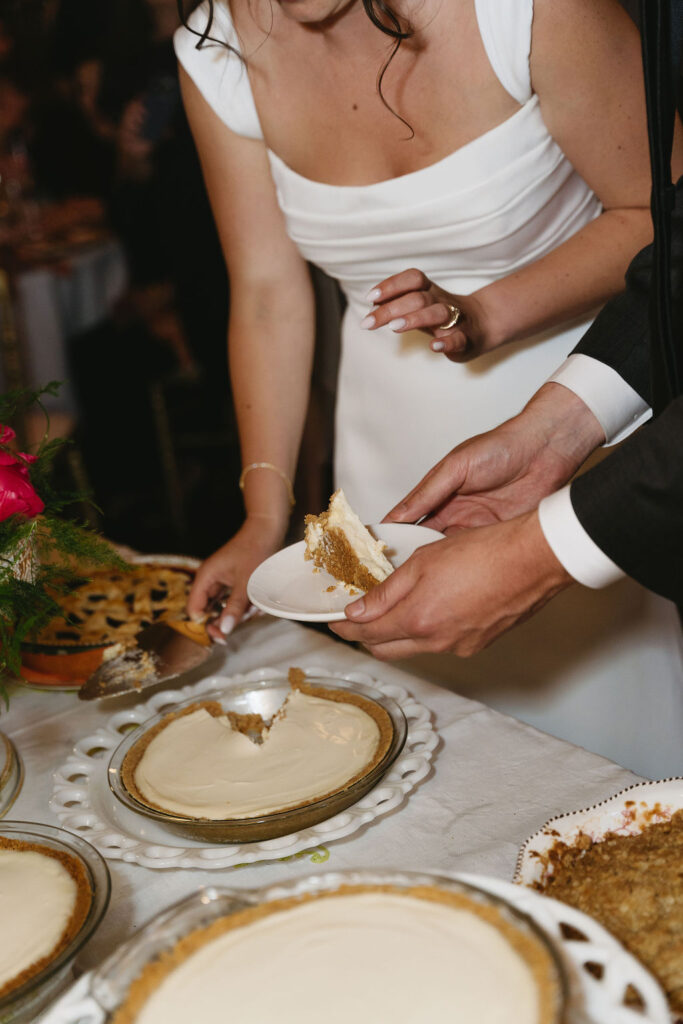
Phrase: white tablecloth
x=495 y=781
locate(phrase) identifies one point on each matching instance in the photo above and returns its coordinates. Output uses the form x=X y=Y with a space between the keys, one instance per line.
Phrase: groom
x=623 y=517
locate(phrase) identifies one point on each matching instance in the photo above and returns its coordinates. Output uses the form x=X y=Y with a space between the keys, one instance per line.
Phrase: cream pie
x=207 y=764
x=362 y=953
x=45 y=897
x=337 y=541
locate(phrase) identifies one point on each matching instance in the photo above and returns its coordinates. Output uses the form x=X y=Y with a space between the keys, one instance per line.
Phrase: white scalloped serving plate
x=592 y=1001
x=83 y=802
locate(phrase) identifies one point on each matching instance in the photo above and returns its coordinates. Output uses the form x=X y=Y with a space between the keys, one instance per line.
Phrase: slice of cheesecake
x=337 y=541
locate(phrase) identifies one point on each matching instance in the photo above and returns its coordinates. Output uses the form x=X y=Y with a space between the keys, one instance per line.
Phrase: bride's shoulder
x=212 y=51
x=577 y=29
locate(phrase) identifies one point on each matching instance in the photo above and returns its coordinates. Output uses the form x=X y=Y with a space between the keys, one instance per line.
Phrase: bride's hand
x=409 y=301
x=230 y=567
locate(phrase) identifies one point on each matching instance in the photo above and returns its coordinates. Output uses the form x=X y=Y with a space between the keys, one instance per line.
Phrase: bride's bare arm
x=586 y=71
x=271 y=336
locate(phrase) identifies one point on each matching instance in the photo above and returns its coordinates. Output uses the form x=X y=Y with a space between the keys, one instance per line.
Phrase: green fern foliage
x=41 y=557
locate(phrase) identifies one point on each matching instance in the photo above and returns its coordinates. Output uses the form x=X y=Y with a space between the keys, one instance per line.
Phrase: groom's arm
x=610 y=367
x=626 y=513
x=619 y=515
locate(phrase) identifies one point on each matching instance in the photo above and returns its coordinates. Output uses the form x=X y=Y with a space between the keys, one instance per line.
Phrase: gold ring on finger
x=455 y=314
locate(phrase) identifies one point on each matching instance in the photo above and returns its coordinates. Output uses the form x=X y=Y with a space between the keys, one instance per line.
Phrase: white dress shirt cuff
x=572 y=546
x=618 y=408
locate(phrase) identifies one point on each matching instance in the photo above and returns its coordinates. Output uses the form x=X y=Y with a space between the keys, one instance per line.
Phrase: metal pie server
x=162 y=651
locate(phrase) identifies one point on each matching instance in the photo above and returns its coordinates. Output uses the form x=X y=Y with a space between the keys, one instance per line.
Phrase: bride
x=499 y=147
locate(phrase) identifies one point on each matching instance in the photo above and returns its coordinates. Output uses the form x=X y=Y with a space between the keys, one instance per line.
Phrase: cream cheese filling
x=199 y=766
x=37 y=899
x=363 y=957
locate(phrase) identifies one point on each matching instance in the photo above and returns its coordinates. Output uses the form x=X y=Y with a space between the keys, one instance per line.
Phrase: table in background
x=58 y=298
x=495 y=781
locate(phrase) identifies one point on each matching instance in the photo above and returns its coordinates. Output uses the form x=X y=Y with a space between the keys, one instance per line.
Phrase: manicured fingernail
x=398 y=324
x=356 y=609
x=438 y=346
x=368 y=322
x=196 y=617
x=373 y=295
x=220 y=640
x=227 y=625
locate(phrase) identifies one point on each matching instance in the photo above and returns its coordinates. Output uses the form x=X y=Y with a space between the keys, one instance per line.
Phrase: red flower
x=17 y=494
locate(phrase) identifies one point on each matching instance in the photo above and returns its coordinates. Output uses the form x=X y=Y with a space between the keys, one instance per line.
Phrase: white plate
x=592 y=1000
x=83 y=802
x=288 y=586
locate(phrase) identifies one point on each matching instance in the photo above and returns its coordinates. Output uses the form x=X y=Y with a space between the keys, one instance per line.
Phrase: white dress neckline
x=434 y=169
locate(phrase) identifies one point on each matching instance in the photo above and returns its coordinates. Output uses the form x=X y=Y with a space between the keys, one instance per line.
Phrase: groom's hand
x=496 y=476
x=458 y=594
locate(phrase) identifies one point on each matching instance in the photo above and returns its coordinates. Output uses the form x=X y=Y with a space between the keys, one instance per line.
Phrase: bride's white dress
x=602 y=669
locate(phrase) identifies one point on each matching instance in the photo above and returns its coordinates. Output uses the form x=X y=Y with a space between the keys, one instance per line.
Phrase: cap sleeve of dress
x=505 y=29
x=219 y=73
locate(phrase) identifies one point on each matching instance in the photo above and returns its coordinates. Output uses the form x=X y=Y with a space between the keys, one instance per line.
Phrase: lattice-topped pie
x=360 y=953
x=114 y=606
x=45 y=897
x=204 y=763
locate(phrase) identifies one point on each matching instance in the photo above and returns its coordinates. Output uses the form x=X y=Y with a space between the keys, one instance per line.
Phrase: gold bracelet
x=275 y=469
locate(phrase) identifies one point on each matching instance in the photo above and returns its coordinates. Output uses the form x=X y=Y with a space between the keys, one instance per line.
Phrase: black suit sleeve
x=620 y=332
x=631 y=504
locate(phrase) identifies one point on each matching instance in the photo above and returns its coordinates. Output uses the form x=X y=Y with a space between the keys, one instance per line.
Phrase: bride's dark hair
x=380 y=13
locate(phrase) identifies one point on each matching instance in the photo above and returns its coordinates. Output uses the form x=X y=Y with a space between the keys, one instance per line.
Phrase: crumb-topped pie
x=359 y=953
x=633 y=885
x=45 y=897
x=204 y=763
x=113 y=606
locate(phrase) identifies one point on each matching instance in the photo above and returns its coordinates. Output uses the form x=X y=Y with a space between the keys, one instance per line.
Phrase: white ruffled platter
x=592 y=1001
x=84 y=803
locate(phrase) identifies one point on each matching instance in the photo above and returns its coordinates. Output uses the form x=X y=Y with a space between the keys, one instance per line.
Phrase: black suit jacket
x=631 y=504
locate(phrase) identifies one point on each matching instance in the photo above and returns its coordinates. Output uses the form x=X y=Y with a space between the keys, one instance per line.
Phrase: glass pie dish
x=11 y=774
x=263 y=698
x=23 y=1003
x=157 y=942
